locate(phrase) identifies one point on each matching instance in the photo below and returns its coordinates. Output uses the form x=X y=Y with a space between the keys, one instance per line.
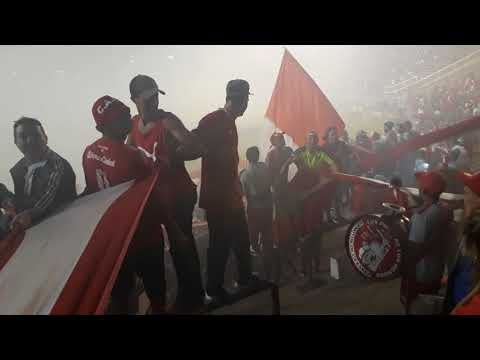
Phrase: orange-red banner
x=298 y=106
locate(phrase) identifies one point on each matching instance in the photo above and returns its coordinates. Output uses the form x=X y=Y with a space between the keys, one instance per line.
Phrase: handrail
x=454 y=63
x=461 y=67
x=443 y=69
x=401 y=82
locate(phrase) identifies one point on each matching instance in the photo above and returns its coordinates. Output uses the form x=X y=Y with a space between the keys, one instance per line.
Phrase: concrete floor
x=350 y=295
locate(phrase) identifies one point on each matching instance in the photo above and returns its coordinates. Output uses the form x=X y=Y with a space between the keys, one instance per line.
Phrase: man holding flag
x=314 y=167
x=160 y=134
x=109 y=162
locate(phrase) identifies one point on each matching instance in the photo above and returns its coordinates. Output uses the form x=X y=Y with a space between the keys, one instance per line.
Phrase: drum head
x=374 y=251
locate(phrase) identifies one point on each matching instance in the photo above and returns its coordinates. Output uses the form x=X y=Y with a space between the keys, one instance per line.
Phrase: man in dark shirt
x=389 y=140
x=407 y=162
x=220 y=191
x=340 y=152
x=43 y=181
x=284 y=234
x=363 y=140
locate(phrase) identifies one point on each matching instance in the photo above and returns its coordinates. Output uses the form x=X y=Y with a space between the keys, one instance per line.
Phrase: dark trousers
x=228 y=230
x=148 y=263
x=260 y=226
x=185 y=256
x=310 y=253
x=337 y=202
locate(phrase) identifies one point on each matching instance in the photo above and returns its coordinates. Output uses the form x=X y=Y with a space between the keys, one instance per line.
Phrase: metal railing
x=438 y=75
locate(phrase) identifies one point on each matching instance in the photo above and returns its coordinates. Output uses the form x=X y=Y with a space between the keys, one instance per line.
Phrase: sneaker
x=208 y=299
x=218 y=298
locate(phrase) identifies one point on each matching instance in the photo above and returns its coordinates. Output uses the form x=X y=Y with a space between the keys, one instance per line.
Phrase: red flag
x=298 y=106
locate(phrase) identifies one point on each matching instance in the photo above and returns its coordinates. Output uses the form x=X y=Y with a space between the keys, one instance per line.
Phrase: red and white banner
x=369 y=159
x=68 y=263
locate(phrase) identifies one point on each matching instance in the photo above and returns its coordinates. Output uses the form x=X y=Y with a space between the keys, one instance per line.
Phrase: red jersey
x=220 y=184
x=155 y=145
x=275 y=159
x=153 y=142
x=108 y=163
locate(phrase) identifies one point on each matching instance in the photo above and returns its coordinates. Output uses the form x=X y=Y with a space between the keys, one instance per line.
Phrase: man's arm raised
x=191 y=147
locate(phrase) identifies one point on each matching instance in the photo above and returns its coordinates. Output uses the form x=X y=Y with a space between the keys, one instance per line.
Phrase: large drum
x=375 y=243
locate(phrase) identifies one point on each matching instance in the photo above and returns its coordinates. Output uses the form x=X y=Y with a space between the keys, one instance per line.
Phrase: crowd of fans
x=446 y=104
x=431 y=248
x=430 y=231
x=259 y=211
x=424 y=113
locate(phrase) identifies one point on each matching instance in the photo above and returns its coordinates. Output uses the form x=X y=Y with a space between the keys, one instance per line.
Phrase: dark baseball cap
x=238 y=87
x=389 y=124
x=144 y=86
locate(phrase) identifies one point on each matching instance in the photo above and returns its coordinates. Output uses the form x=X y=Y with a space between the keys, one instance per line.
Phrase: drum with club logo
x=375 y=243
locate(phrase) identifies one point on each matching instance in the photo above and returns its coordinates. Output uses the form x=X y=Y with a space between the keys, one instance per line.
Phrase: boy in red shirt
x=109 y=162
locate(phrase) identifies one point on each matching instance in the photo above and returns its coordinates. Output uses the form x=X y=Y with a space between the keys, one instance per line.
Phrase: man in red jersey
x=159 y=135
x=220 y=193
x=109 y=162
